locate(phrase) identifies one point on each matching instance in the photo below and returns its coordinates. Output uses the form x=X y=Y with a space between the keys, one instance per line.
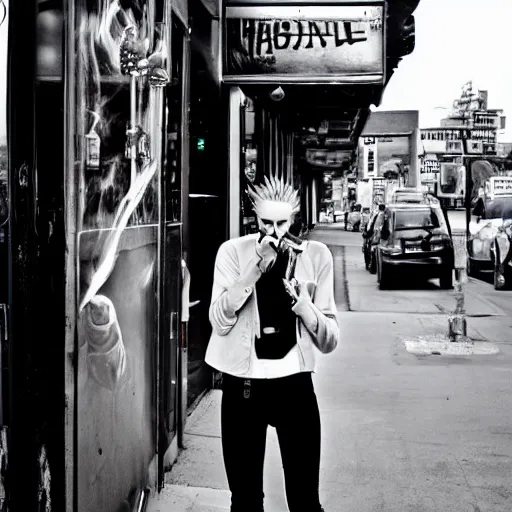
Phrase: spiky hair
x=274 y=189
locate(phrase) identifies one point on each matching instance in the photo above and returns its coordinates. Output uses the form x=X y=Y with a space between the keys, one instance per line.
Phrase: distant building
x=388 y=144
x=388 y=154
x=470 y=116
x=442 y=147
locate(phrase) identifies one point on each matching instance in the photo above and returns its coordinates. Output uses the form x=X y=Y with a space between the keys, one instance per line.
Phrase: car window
x=409 y=219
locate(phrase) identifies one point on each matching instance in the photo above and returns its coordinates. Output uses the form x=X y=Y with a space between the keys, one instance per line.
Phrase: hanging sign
x=304 y=44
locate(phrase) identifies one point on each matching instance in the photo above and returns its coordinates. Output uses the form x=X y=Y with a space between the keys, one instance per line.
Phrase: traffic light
x=408 y=36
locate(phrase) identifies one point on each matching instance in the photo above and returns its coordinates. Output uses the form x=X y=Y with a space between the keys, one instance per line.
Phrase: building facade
x=134 y=129
x=387 y=155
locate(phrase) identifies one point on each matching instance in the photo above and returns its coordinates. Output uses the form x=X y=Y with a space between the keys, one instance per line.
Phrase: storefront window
x=3 y=138
x=121 y=79
x=249 y=162
x=4 y=200
x=174 y=123
x=266 y=149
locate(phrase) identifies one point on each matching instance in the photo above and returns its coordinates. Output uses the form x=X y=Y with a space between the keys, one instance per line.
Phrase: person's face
x=274 y=218
x=250 y=172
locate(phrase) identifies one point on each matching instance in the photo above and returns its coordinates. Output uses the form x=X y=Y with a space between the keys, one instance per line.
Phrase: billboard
x=304 y=44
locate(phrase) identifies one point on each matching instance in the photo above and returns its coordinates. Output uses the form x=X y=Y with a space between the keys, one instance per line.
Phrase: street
x=400 y=432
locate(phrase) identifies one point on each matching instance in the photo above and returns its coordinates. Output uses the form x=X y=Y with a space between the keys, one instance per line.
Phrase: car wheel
x=446 y=279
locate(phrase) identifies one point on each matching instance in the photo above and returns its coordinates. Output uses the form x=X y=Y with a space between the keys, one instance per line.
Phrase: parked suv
x=415 y=238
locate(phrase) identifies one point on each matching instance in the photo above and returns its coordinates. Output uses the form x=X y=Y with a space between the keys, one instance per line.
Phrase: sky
x=456 y=41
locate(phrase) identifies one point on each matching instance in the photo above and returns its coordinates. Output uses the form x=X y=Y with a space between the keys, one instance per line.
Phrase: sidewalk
x=401 y=433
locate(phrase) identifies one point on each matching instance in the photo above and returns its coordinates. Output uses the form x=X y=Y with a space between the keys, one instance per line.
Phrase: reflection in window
x=3 y=135
x=121 y=70
x=248 y=165
x=174 y=123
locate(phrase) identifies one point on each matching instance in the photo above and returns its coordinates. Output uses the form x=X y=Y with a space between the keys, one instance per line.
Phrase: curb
x=341 y=290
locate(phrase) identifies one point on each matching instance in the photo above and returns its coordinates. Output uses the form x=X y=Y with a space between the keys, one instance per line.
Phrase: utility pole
x=457 y=323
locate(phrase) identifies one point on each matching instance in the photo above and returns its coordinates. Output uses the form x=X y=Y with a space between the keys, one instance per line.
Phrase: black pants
x=289 y=404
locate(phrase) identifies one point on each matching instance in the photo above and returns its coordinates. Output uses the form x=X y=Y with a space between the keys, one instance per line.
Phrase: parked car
x=501 y=256
x=483 y=232
x=416 y=238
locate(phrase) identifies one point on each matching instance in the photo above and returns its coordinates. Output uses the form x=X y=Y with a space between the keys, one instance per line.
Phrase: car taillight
x=440 y=238
x=395 y=248
x=439 y=242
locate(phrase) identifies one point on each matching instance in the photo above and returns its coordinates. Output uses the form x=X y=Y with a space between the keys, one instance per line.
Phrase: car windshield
x=426 y=218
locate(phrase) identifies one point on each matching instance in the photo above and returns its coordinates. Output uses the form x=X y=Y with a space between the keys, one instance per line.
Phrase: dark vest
x=274 y=307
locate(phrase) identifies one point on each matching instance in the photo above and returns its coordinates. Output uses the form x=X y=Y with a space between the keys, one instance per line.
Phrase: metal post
x=457 y=324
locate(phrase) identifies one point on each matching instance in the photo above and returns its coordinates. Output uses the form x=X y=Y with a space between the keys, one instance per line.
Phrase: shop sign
x=379 y=191
x=430 y=167
x=501 y=186
x=371 y=162
x=304 y=44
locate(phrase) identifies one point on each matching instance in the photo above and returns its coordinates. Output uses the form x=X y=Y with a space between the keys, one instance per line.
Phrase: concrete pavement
x=401 y=432
x=362 y=293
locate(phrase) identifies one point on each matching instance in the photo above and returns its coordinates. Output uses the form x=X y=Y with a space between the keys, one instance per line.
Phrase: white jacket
x=234 y=312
